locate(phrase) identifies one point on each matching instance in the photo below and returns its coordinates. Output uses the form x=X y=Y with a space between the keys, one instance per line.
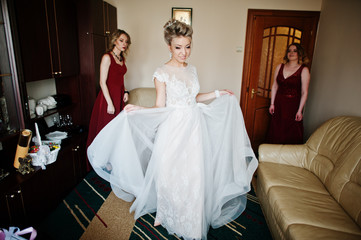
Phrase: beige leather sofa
x=142 y=97
x=313 y=191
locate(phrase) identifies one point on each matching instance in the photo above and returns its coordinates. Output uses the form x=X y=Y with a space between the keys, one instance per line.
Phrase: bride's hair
x=174 y=28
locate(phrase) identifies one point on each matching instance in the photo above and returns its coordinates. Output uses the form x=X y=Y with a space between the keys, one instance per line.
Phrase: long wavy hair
x=115 y=35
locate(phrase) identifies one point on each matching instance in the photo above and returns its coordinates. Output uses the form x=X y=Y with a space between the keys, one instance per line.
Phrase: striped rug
x=91 y=211
x=249 y=226
x=72 y=217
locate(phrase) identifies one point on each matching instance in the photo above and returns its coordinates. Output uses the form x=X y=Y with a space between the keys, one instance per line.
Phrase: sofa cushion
x=273 y=174
x=307 y=232
x=293 y=206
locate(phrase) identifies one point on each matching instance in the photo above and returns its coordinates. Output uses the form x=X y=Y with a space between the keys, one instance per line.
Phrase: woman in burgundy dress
x=113 y=95
x=288 y=97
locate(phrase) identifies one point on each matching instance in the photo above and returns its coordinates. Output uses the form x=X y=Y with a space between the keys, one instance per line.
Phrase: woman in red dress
x=113 y=95
x=288 y=97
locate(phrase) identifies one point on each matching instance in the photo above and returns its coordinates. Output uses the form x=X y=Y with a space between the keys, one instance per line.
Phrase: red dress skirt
x=284 y=129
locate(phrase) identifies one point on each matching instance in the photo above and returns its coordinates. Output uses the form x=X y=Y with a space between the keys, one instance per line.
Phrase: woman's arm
x=126 y=92
x=160 y=99
x=305 y=81
x=274 y=90
x=202 y=97
x=161 y=93
x=104 y=69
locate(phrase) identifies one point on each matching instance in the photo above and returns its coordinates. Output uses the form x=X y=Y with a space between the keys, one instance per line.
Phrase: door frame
x=249 y=47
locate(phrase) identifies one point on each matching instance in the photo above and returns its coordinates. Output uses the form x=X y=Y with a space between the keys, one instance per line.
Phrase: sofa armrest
x=294 y=155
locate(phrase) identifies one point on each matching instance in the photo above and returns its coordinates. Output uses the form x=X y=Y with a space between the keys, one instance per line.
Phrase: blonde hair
x=115 y=35
x=174 y=28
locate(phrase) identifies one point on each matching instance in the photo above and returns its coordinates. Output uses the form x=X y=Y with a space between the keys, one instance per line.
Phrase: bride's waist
x=181 y=105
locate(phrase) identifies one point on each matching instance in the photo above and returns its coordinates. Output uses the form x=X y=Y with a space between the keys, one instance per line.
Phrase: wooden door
x=269 y=32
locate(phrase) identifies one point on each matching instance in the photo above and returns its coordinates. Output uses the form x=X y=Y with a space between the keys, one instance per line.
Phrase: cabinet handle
x=59 y=73
x=107 y=32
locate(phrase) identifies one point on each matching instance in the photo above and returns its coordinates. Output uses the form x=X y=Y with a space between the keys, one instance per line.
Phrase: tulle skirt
x=192 y=165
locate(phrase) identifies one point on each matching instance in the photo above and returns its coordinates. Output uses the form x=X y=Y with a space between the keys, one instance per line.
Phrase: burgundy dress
x=284 y=129
x=115 y=84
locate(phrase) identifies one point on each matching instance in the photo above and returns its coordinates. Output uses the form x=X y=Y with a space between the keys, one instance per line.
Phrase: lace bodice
x=182 y=84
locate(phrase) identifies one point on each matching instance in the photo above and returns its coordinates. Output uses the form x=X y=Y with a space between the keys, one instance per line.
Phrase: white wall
x=219 y=29
x=41 y=89
x=335 y=86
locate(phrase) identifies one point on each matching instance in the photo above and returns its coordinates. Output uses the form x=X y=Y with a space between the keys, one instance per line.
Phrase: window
x=275 y=42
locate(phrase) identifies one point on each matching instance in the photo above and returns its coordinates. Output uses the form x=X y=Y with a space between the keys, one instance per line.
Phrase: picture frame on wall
x=182 y=14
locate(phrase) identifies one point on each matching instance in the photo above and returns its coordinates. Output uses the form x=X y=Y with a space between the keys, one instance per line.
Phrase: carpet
x=72 y=217
x=115 y=212
x=92 y=211
x=250 y=225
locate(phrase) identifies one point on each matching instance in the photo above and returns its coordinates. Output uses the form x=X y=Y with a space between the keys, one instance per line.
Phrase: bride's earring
x=170 y=55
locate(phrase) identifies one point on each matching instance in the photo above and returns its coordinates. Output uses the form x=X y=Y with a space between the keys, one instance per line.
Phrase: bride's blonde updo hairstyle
x=174 y=28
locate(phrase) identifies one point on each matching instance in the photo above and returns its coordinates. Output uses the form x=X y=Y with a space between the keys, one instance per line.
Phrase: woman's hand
x=110 y=109
x=131 y=107
x=225 y=91
x=271 y=109
x=299 y=116
x=126 y=97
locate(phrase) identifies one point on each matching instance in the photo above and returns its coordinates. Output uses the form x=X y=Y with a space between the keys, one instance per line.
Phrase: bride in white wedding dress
x=190 y=162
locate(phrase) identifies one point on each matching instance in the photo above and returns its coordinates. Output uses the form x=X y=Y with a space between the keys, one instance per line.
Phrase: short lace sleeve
x=160 y=75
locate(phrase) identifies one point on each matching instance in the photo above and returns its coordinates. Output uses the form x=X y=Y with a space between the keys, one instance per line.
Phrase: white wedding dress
x=190 y=162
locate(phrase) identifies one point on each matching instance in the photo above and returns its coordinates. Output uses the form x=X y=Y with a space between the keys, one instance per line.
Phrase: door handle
x=253 y=92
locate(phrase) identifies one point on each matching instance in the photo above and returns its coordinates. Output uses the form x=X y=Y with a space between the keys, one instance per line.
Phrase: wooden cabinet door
x=110 y=21
x=62 y=172
x=32 y=26
x=47 y=37
x=92 y=46
x=63 y=36
x=112 y=18
x=37 y=196
x=79 y=156
x=12 y=207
